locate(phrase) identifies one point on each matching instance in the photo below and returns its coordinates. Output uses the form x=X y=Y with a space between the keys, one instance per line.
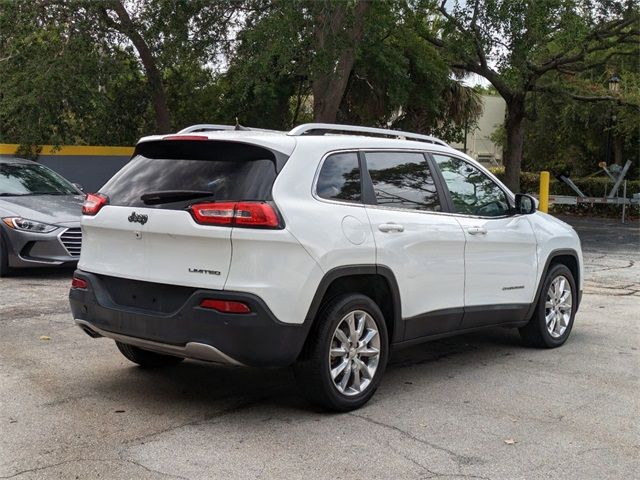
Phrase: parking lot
x=476 y=406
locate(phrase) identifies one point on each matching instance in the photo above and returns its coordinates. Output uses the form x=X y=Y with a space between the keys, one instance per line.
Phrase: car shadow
x=198 y=385
x=41 y=273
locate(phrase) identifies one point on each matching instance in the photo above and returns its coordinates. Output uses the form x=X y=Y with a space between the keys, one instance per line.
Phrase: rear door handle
x=390 y=227
x=477 y=230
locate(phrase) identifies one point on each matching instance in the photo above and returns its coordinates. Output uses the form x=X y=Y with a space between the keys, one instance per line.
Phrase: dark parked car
x=39 y=217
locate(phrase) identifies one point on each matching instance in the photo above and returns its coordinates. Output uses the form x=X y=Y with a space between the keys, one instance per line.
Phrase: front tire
x=4 y=258
x=345 y=356
x=553 y=318
x=146 y=358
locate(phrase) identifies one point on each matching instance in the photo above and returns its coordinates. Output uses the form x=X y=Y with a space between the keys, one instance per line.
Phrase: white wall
x=479 y=144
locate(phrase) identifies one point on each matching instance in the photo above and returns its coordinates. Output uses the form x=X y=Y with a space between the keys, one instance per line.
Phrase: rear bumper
x=118 y=309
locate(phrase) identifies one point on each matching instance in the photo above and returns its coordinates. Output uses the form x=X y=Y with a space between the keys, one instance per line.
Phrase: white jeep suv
x=321 y=248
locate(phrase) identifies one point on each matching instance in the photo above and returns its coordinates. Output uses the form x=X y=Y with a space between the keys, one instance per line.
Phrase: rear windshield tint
x=229 y=170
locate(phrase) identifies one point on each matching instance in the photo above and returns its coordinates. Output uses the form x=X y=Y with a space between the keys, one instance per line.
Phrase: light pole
x=614 y=85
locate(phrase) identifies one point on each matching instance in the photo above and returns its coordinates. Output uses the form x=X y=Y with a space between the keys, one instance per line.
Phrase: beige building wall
x=479 y=144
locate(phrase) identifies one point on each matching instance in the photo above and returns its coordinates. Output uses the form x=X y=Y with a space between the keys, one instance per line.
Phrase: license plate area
x=149 y=296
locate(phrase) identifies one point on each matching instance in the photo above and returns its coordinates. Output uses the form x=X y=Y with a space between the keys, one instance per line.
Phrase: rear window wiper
x=30 y=194
x=17 y=194
x=168 y=196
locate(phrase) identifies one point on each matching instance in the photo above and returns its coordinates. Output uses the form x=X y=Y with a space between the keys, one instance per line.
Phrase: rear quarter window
x=339 y=178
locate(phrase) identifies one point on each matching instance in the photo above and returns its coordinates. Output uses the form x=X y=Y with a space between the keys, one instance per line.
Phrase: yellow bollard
x=544 y=192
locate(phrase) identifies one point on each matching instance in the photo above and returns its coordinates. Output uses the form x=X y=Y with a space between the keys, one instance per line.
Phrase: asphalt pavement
x=476 y=406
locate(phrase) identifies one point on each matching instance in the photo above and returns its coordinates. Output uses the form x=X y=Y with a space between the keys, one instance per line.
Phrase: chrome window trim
x=407 y=210
x=314 y=185
x=314 y=191
x=423 y=151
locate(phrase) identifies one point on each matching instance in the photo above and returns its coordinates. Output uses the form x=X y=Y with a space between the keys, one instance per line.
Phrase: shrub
x=590 y=186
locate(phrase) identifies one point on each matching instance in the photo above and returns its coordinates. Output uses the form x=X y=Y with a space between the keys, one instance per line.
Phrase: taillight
x=254 y=214
x=236 y=214
x=93 y=202
x=217 y=213
x=225 y=306
x=79 y=283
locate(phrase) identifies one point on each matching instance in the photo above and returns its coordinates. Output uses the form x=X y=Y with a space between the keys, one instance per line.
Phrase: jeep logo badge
x=138 y=218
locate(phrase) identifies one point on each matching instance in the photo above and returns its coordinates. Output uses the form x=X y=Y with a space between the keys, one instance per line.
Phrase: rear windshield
x=228 y=170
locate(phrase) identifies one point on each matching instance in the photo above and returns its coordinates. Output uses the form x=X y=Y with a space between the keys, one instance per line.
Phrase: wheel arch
x=564 y=256
x=375 y=281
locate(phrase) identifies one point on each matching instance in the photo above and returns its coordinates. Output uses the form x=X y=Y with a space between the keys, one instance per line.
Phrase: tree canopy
x=520 y=46
x=86 y=72
x=108 y=72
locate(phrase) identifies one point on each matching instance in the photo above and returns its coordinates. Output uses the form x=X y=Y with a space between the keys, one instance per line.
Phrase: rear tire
x=346 y=353
x=555 y=311
x=146 y=358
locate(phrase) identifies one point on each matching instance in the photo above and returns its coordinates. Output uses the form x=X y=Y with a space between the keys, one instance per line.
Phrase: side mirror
x=78 y=186
x=525 y=204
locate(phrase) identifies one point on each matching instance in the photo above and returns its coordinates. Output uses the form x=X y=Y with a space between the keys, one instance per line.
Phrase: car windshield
x=18 y=179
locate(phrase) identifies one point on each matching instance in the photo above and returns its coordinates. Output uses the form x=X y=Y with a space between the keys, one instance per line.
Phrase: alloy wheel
x=558 y=305
x=354 y=353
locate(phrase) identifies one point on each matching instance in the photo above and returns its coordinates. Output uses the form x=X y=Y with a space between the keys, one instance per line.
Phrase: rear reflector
x=225 y=306
x=236 y=214
x=79 y=283
x=93 y=202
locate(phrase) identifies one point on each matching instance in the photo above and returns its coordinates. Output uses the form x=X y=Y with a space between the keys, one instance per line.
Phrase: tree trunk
x=328 y=85
x=327 y=95
x=618 y=147
x=158 y=96
x=515 y=138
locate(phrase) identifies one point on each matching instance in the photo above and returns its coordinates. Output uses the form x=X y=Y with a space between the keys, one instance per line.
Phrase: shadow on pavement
x=42 y=273
x=193 y=383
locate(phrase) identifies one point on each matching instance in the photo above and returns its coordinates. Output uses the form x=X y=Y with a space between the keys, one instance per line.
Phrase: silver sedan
x=39 y=217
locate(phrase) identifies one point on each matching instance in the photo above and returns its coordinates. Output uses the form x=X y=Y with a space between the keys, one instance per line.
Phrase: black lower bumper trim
x=253 y=339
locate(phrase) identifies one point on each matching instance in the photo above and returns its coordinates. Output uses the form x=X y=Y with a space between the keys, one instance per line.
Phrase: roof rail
x=324 y=128
x=211 y=127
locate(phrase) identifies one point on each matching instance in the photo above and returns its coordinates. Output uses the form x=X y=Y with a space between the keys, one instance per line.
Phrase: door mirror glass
x=525 y=204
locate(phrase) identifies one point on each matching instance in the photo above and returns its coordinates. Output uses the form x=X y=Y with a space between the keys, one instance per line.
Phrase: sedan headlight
x=24 y=225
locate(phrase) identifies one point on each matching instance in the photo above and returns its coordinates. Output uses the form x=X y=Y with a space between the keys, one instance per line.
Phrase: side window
x=339 y=178
x=472 y=192
x=402 y=179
